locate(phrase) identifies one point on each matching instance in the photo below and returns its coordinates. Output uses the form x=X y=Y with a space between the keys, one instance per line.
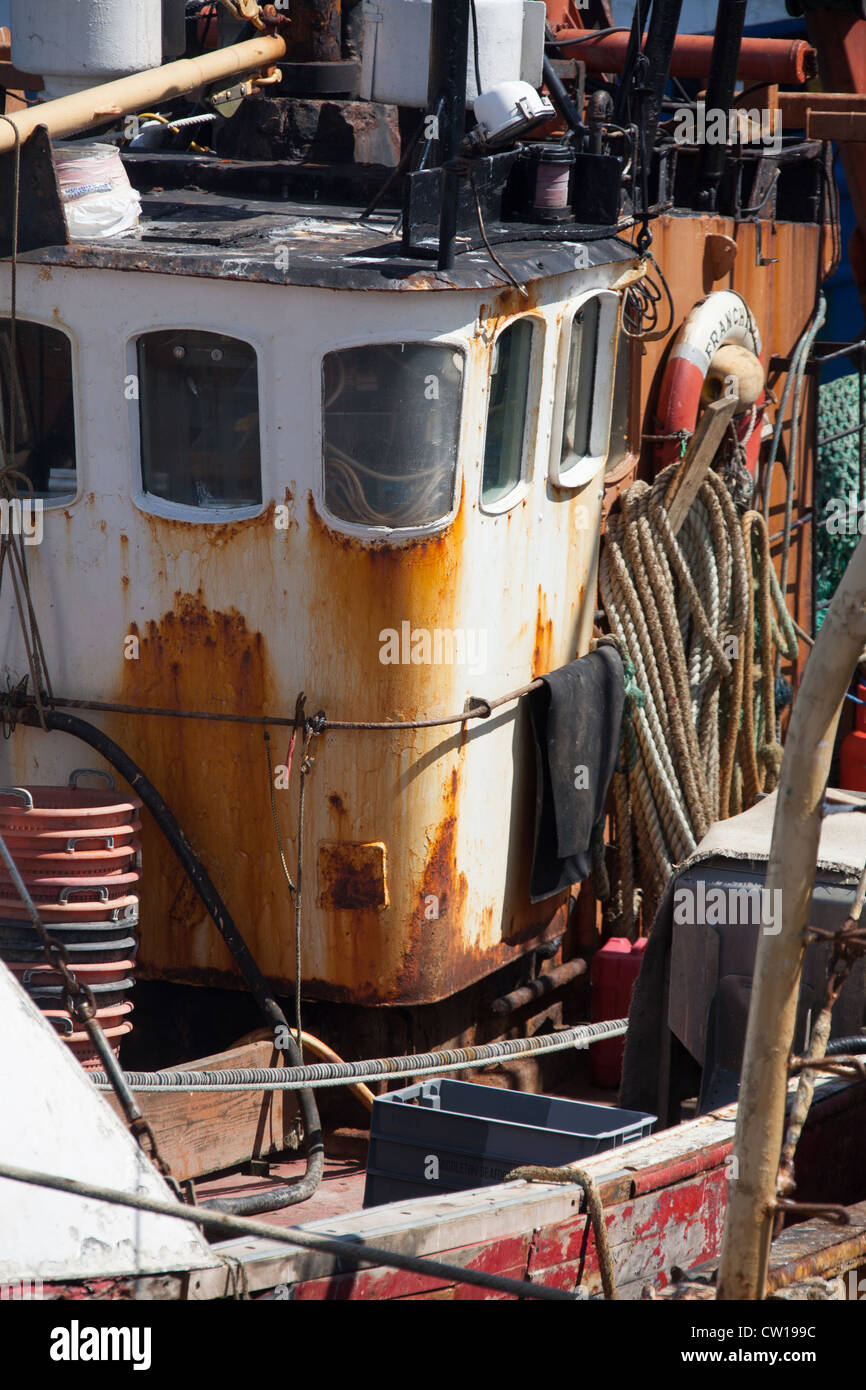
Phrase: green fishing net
x=837 y=485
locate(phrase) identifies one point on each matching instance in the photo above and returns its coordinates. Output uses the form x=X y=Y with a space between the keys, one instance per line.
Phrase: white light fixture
x=508 y=110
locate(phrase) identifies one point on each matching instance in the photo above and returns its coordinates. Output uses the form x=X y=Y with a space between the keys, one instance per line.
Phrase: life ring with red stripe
x=723 y=317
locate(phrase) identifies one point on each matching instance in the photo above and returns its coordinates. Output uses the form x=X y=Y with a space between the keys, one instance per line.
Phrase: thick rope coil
x=679 y=607
x=700 y=620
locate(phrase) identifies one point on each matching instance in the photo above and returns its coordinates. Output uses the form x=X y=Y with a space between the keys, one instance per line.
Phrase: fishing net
x=837 y=485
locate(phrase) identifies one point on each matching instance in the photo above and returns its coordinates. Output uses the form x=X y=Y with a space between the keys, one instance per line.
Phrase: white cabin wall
x=238 y=616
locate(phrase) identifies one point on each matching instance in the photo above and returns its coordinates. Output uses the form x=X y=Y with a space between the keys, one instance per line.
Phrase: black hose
x=658 y=52
x=255 y=981
x=728 y=37
x=475 y=58
x=852 y=1045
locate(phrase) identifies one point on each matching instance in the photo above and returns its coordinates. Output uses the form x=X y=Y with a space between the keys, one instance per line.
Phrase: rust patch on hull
x=212 y=776
x=425 y=935
x=352 y=877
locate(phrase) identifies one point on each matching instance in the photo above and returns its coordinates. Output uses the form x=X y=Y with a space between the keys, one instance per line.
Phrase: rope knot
x=770 y=756
x=635 y=697
x=316 y=723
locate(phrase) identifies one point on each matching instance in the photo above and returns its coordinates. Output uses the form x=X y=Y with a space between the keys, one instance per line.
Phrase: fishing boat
x=408 y=491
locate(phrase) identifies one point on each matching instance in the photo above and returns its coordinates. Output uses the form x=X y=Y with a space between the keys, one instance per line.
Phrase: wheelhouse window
x=585 y=390
x=506 y=411
x=199 y=419
x=37 y=416
x=620 y=421
x=390 y=431
x=582 y=365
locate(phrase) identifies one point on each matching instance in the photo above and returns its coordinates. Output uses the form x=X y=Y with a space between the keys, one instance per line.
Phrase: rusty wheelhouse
x=325 y=445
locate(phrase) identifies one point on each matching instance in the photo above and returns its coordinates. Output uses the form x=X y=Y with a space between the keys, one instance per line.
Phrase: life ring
x=723 y=317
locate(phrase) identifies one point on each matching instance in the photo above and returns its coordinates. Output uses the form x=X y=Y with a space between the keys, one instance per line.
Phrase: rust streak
x=542 y=653
x=214 y=781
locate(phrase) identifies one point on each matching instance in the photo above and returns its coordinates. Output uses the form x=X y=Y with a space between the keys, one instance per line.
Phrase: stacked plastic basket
x=78 y=853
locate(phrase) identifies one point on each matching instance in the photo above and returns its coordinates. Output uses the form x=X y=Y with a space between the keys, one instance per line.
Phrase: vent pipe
x=75 y=44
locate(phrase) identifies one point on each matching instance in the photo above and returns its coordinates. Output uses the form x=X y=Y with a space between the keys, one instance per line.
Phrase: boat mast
x=778 y=965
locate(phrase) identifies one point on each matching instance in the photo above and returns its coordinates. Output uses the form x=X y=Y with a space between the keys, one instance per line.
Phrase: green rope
x=634 y=699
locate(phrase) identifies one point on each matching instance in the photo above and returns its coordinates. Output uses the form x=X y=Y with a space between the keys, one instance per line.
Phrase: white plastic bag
x=98 y=198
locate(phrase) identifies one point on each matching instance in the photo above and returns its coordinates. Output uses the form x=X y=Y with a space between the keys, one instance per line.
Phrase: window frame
x=531 y=423
x=585 y=468
x=77 y=415
x=150 y=502
x=453 y=341
x=626 y=343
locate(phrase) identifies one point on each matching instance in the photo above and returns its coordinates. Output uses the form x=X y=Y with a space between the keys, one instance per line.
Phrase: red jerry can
x=614 y=970
x=852 y=754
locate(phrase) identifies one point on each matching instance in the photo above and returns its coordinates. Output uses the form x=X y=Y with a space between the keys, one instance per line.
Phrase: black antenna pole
x=446 y=92
x=622 y=102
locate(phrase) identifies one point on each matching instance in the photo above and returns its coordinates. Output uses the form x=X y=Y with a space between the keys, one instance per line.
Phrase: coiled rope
x=698 y=617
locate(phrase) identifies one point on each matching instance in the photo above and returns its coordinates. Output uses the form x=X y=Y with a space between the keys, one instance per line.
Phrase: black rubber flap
x=576 y=717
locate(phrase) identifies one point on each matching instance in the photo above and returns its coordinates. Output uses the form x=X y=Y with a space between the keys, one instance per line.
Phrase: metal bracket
x=257 y=1168
x=227 y=100
x=41 y=217
x=760 y=258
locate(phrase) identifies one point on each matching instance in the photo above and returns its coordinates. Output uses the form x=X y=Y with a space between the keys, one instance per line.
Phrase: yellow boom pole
x=128 y=95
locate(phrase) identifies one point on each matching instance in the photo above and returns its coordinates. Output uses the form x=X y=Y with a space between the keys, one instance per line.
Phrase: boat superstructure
x=275 y=579
x=305 y=459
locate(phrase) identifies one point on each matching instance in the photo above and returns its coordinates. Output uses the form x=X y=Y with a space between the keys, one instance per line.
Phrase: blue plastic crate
x=446 y=1136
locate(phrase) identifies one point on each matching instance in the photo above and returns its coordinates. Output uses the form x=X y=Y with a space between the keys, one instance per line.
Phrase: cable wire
x=350 y=1253
x=319 y=1074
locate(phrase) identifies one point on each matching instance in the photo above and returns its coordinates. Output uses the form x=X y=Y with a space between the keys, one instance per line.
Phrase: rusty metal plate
x=352 y=876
